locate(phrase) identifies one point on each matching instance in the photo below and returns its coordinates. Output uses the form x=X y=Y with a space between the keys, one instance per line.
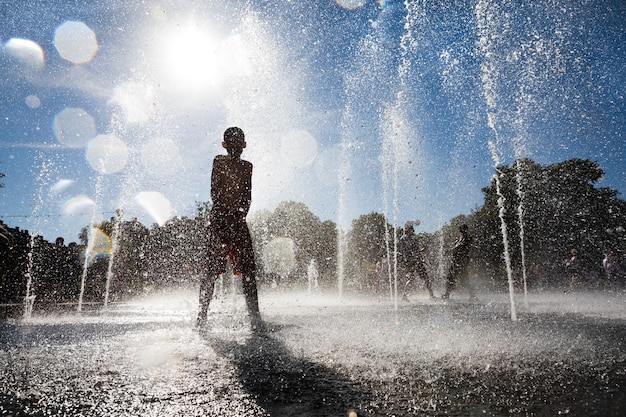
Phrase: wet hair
x=234 y=136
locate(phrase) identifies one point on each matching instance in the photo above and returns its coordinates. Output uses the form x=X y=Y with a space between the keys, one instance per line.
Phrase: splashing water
x=115 y=237
x=486 y=18
x=397 y=155
x=520 y=216
x=29 y=298
x=90 y=243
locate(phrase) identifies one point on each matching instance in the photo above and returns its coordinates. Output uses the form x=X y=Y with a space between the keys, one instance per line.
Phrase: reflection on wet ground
x=321 y=356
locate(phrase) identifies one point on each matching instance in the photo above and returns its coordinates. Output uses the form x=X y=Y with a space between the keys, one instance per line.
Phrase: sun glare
x=191 y=59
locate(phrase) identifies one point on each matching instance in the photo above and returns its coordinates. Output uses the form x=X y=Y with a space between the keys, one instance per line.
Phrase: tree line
x=546 y=210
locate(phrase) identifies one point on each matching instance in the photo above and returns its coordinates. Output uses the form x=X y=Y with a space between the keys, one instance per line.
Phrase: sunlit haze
x=349 y=107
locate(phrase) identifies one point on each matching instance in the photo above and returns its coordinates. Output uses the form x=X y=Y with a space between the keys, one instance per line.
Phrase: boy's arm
x=214 y=185
x=246 y=195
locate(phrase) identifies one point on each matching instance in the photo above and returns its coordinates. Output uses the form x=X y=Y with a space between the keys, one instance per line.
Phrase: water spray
x=29 y=298
x=485 y=17
x=90 y=242
x=520 y=216
x=115 y=237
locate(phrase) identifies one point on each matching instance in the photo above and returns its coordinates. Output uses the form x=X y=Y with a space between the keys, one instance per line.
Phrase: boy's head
x=234 y=141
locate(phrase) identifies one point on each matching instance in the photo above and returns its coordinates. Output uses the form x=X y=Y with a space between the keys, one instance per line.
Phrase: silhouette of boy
x=228 y=234
x=410 y=259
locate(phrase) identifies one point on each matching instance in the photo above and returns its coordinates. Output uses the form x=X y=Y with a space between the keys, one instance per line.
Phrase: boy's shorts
x=229 y=238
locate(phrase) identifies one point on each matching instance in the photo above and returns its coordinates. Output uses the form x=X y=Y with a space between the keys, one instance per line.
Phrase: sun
x=190 y=58
x=201 y=58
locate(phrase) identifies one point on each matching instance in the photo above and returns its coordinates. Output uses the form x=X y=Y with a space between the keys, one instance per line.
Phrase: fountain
x=312 y=276
x=407 y=109
x=35 y=248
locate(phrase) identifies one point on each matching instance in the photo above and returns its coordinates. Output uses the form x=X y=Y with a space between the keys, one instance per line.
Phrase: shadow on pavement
x=286 y=384
x=16 y=335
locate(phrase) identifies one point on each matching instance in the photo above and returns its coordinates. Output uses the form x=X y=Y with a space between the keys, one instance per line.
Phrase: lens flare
x=107 y=154
x=279 y=256
x=60 y=186
x=75 y=42
x=135 y=100
x=98 y=245
x=74 y=127
x=298 y=148
x=156 y=205
x=78 y=205
x=350 y=4
x=25 y=51
x=32 y=101
x=390 y=23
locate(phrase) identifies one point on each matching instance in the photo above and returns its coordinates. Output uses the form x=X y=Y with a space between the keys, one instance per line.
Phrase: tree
x=313 y=238
x=562 y=209
x=366 y=245
x=367 y=237
x=177 y=250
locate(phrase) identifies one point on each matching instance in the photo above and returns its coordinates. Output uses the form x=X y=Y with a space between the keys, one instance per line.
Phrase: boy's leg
x=450 y=283
x=207 y=284
x=252 y=301
x=244 y=256
x=424 y=275
x=251 y=294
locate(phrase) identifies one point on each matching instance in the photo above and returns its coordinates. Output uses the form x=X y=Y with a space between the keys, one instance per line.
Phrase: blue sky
x=349 y=106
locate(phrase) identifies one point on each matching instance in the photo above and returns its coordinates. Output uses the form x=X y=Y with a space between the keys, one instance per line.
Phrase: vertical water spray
x=503 y=228
x=29 y=297
x=392 y=135
x=115 y=237
x=391 y=272
x=348 y=146
x=441 y=253
x=390 y=182
x=520 y=217
x=395 y=134
x=344 y=177
x=486 y=17
x=524 y=101
x=88 y=249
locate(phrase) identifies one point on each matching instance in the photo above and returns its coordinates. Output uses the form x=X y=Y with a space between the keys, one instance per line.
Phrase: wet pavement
x=321 y=356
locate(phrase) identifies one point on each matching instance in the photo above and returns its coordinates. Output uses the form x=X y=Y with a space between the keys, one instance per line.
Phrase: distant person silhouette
x=574 y=269
x=410 y=260
x=228 y=234
x=612 y=267
x=457 y=273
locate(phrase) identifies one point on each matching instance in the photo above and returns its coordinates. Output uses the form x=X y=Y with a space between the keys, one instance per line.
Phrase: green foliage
x=560 y=208
x=557 y=207
x=366 y=240
x=313 y=238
